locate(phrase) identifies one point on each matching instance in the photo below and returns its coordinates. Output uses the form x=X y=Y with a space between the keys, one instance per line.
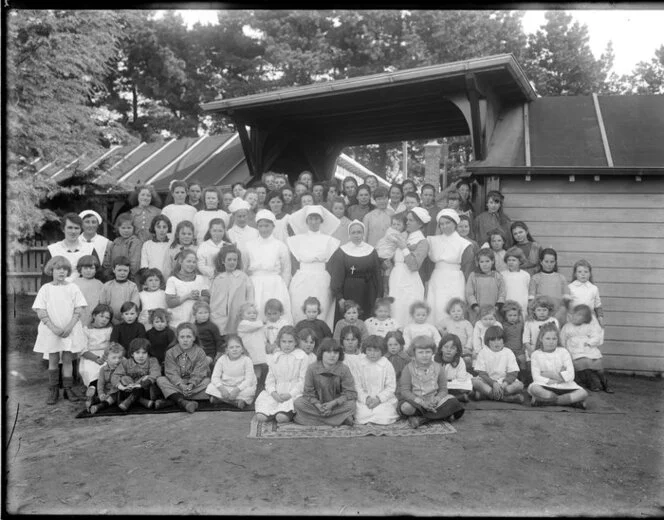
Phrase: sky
x=636 y=34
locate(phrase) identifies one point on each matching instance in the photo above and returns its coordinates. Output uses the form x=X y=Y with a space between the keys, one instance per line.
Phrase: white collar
x=415 y=237
x=351 y=249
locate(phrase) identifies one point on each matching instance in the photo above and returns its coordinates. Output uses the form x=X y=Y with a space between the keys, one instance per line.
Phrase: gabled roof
x=393 y=106
x=585 y=133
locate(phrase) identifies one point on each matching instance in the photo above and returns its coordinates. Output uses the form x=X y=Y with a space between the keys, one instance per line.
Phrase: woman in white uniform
x=312 y=246
x=447 y=252
x=267 y=262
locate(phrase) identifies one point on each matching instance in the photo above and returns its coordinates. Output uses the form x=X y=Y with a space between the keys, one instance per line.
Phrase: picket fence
x=24 y=270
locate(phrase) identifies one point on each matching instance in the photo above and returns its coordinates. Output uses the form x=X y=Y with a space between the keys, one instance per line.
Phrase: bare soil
x=498 y=462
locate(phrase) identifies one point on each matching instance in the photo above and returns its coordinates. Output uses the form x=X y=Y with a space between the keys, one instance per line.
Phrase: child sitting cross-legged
x=160 y=336
x=553 y=373
x=422 y=389
x=186 y=370
x=98 y=336
x=136 y=377
x=376 y=385
x=459 y=382
x=107 y=391
x=487 y=319
x=497 y=370
x=233 y=379
x=285 y=379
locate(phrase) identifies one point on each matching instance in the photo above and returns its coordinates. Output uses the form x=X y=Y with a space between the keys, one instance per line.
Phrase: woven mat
x=272 y=430
x=137 y=409
x=596 y=403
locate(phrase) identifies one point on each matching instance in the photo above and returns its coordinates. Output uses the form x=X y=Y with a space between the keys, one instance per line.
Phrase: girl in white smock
x=405 y=283
x=376 y=384
x=446 y=251
x=285 y=378
x=267 y=262
x=312 y=246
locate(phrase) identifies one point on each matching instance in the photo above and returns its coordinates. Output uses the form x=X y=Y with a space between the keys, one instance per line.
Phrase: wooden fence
x=24 y=270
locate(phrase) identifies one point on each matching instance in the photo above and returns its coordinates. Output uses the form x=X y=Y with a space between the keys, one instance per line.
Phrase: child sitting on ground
x=351 y=317
x=582 y=337
x=285 y=379
x=207 y=332
x=308 y=342
x=311 y=309
x=395 y=352
x=487 y=318
x=540 y=313
x=419 y=314
x=351 y=340
x=497 y=370
x=457 y=324
x=119 y=290
x=233 y=379
x=381 y=323
x=107 y=391
x=186 y=370
x=459 y=382
x=422 y=389
x=136 y=377
x=553 y=373
x=376 y=385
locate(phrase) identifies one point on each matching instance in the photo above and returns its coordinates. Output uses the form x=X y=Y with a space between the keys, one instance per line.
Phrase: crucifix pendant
x=352 y=269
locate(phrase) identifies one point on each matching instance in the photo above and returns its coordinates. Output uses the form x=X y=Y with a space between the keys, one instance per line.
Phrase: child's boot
x=604 y=381
x=69 y=393
x=89 y=396
x=126 y=404
x=53 y=386
x=99 y=406
x=146 y=403
x=594 y=381
x=514 y=398
x=581 y=378
x=184 y=404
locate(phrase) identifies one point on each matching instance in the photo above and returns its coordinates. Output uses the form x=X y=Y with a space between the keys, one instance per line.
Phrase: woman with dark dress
x=355 y=272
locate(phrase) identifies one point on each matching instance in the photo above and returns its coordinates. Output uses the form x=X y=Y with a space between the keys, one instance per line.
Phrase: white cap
x=449 y=213
x=422 y=214
x=238 y=204
x=265 y=214
x=88 y=212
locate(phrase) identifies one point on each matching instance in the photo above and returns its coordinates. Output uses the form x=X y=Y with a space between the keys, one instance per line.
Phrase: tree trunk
x=134 y=102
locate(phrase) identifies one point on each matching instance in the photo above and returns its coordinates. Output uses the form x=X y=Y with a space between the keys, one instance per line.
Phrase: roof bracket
x=572 y=178
x=473 y=93
x=637 y=178
x=528 y=177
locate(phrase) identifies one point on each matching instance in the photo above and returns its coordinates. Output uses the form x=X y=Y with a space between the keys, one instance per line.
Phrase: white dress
x=155 y=255
x=447 y=280
x=176 y=213
x=584 y=294
x=405 y=285
x=207 y=255
x=177 y=287
x=312 y=250
x=558 y=361
x=231 y=373
x=458 y=377
x=240 y=236
x=59 y=301
x=202 y=222
x=353 y=362
x=285 y=376
x=99 y=243
x=97 y=341
x=516 y=288
x=412 y=330
x=267 y=262
x=376 y=379
x=83 y=248
x=151 y=300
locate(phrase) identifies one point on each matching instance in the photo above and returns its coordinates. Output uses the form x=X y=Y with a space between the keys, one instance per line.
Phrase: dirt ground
x=498 y=463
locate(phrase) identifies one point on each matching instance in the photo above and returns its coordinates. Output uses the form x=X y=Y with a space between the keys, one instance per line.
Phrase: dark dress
x=356 y=278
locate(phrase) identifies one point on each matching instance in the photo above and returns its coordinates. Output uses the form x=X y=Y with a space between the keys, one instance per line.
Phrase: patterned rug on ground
x=203 y=406
x=272 y=430
x=596 y=403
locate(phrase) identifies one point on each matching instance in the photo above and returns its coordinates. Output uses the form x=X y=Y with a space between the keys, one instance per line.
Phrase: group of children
x=504 y=336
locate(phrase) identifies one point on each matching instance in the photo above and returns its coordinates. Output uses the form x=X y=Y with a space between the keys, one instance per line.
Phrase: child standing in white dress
x=381 y=323
x=376 y=385
x=59 y=305
x=92 y=357
x=252 y=333
x=553 y=373
x=285 y=379
x=233 y=379
x=419 y=314
x=583 y=292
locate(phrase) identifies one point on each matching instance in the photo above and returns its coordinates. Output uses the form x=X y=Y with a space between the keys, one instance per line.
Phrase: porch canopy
x=307 y=127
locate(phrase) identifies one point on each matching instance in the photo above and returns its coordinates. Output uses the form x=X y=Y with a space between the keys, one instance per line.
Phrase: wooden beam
x=246 y=146
x=472 y=91
x=146 y=160
x=602 y=131
x=526 y=133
